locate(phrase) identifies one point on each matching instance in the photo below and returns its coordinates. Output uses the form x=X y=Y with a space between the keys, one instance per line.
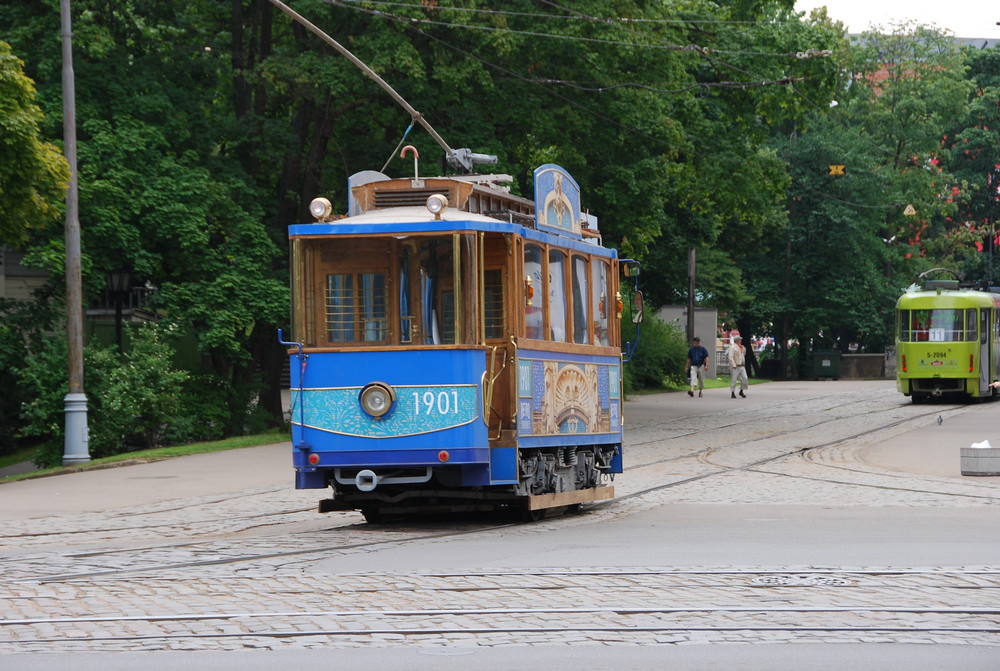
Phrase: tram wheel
x=373 y=515
x=542 y=513
x=533 y=515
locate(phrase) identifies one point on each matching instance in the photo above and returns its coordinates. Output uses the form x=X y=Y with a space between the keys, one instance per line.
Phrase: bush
x=203 y=413
x=658 y=360
x=135 y=394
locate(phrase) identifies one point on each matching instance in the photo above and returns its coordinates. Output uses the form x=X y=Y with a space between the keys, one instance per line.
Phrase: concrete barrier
x=862 y=366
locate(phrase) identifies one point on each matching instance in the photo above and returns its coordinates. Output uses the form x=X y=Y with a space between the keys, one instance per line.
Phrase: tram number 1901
x=441 y=403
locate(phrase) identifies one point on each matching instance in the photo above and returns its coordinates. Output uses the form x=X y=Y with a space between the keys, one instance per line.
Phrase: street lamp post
x=76 y=448
x=119 y=284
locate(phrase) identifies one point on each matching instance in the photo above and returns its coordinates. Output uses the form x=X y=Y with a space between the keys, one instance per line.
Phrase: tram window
x=533 y=306
x=493 y=303
x=944 y=325
x=557 y=296
x=407 y=319
x=347 y=309
x=340 y=308
x=580 y=301
x=970 y=324
x=447 y=319
x=599 y=302
x=437 y=291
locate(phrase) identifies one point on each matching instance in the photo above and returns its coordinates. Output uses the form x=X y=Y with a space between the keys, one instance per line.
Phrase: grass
x=145 y=456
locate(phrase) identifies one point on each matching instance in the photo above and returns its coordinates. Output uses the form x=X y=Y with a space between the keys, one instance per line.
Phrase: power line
x=577 y=17
x=692 y=48
x=741 y=86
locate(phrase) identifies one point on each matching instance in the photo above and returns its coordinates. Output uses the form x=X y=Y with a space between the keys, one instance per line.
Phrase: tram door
x=498 y=327
x=985 y=358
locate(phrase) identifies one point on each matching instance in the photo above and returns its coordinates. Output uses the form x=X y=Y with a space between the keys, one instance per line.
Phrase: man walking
x=737 y=367
x=697 y=364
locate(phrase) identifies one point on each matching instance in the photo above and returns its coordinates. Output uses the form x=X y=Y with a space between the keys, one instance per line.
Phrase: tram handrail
x=303 y=358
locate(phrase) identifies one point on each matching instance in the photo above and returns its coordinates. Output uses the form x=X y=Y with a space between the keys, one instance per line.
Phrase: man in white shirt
x=737 y=367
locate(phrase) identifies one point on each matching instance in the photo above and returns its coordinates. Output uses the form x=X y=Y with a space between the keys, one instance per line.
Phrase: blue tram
x=947 y=341
x=456 y=347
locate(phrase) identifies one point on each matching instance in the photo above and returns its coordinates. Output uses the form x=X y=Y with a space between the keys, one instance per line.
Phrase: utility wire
x=577 y=16
x=693 y=48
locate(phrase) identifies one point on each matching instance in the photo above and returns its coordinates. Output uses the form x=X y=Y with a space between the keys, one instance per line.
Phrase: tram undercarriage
x=551 y=480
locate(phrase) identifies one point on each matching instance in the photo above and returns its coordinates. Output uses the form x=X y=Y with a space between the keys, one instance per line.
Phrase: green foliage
x=203 y=411
x=131 y=397
x=33 y=173
x=659 y=355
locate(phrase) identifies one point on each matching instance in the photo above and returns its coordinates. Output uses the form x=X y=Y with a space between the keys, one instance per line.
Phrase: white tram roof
x=412 y=214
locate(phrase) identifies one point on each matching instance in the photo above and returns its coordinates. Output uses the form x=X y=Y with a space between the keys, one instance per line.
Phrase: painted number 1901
x=441 y=403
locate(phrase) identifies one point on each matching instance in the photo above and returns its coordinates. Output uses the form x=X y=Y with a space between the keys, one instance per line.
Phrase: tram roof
x=943 y=298
x=418 y=220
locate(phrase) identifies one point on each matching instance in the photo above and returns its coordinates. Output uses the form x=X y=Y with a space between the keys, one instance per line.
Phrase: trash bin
x=826 y=364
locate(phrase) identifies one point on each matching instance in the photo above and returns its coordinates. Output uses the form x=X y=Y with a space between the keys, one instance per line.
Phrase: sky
x=965 y=18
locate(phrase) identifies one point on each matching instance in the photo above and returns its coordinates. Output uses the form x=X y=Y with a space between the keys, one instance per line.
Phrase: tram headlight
x=377 y=399
x=437 y=204
x=320 y=208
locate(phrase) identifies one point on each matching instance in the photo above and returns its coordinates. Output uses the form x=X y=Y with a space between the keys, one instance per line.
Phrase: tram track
x=353 y=537
x=704 y=455
x=837 y=604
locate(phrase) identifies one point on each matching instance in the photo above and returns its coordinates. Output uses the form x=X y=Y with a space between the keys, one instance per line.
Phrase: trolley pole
x=76 y=448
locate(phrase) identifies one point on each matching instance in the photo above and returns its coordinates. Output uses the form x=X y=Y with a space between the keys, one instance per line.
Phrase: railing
x=137 y=298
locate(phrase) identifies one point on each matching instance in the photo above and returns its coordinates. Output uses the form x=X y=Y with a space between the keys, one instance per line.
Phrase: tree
x=33 y=173
x=970 y=152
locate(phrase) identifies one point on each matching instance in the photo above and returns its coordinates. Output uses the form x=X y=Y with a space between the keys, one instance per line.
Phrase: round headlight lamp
x=436 y=204
x=320 y=208
x=377 y=399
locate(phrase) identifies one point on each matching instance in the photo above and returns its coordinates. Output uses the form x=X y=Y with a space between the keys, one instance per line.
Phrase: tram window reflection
x=599 y=301
x=942 y=325
x=557 y=296
x=533 y=307
x=580 y=301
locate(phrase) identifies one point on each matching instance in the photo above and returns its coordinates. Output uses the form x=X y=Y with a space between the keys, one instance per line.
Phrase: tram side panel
x=570 y=401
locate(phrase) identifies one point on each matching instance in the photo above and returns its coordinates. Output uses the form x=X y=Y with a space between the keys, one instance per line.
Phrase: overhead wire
x=577 y=16
x=694 y=48
x=705 y=53
x=740 y=85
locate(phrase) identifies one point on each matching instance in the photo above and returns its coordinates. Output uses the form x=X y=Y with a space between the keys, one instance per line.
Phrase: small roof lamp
x=320 y=208
x=436 y=204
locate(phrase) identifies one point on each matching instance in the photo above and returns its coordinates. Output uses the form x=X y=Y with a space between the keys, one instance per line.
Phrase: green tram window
x=939 y=325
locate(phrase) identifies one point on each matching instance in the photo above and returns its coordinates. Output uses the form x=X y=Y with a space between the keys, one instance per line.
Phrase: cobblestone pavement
x=249 y=570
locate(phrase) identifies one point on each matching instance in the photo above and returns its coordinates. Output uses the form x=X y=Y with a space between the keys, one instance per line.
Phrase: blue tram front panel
x=435 y=420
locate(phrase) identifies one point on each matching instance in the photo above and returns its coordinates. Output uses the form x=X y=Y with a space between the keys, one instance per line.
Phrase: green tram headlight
x=377 y=399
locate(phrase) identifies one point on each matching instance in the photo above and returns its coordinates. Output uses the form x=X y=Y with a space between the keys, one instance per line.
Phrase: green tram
x=947 y=341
